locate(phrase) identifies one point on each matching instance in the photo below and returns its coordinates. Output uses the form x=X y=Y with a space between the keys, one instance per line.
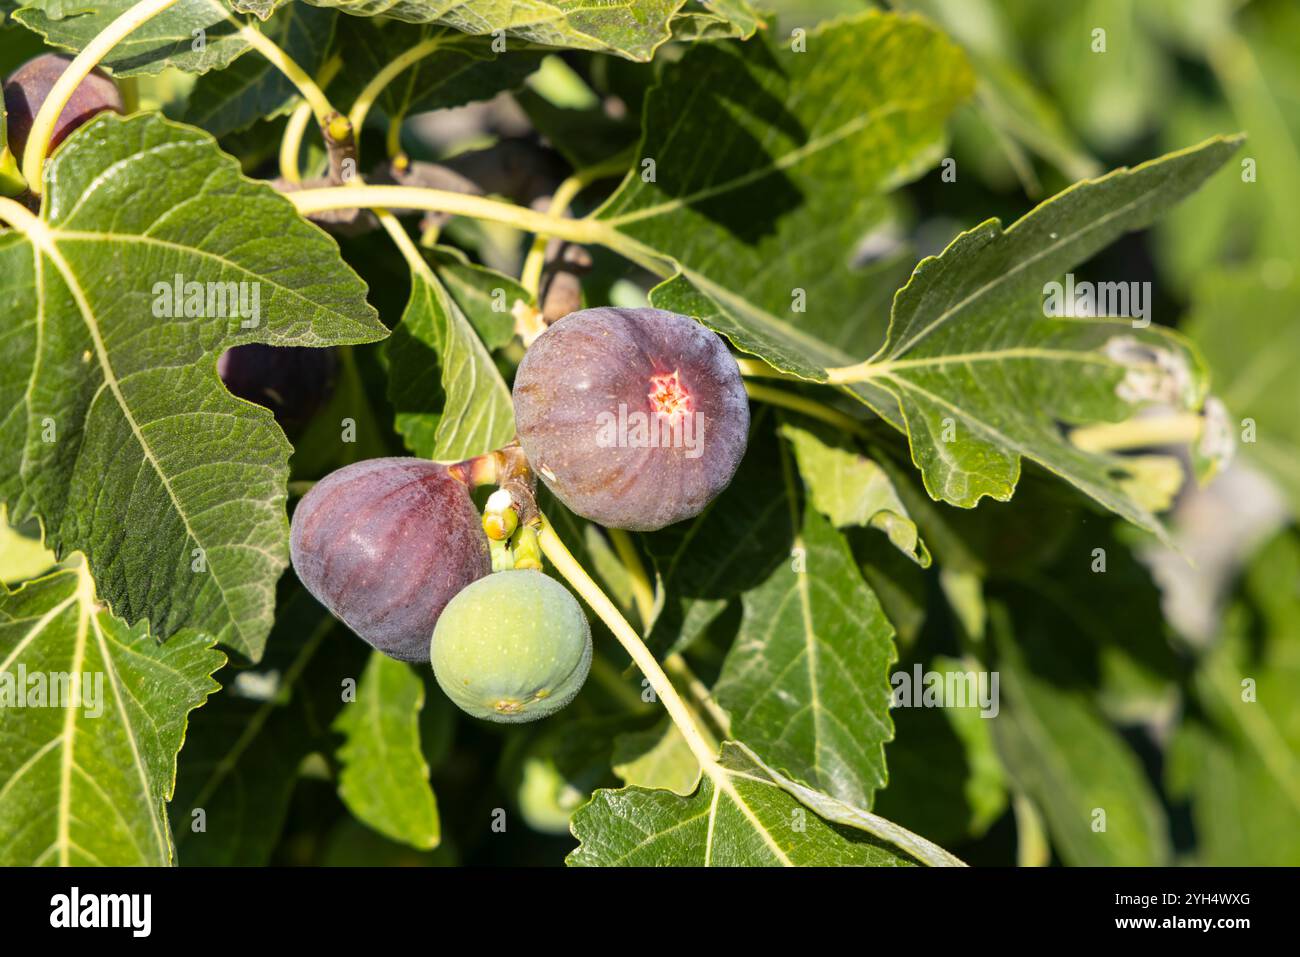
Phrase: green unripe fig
x=511 y=647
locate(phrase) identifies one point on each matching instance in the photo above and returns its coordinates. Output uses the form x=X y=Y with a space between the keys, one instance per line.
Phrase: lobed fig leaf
x=628 y=28
x=151 y=256
x=166 y=40
x=90 y=764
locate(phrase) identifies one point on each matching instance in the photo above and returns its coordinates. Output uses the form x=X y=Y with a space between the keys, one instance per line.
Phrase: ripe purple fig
x=635 y=418
x=384 y=544
x=291 y=381
x=28 y=86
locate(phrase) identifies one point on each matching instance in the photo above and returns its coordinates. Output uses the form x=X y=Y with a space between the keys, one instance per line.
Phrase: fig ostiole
x=634 y=418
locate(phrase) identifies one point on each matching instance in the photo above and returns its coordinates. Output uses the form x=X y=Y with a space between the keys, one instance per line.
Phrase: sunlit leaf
x=92 y=713
x=744 y=814
x=384 y=779
x=118 y=433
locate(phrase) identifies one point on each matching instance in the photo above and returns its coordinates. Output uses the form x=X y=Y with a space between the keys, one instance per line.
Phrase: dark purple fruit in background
x=635 y=418
x=384 y=544
x=291 y=381
x=28 y=86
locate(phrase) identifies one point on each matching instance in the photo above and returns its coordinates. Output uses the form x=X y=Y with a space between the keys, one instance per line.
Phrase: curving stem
x=559 y=556
x=582 y=231
x=391 y=71
x=19 y=216
x=294 y=130
x=300 y=78
x=38 y=140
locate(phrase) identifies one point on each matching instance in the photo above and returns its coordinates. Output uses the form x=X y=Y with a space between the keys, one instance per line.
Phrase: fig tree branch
x=585 y=231
x=328 y=198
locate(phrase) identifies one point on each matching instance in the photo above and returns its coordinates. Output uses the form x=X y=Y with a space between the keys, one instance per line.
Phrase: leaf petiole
x=329 y=198
x=562 y=559
x=675 y=664
x=807 y=406
x=678 y=668
x=1180 y=429
x=583 y=231
x=394 y=68
x=296 y=127
x=278 y=58
x=758 y=369
x=18 y=216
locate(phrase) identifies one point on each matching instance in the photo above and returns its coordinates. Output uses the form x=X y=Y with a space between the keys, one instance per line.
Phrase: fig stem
x=1180 y=429
x=502 y=558
x=18 y=216
x=410 y=252
x=394 y=68
x=858 y=372
x=642 y=592
x=278 y=58
x=758 y=369
x=809 y=407
x=585 y=231
x=393 y=142
x=291 y=142
x=1032 y=847
x=476 y=472
x=296 y=128
x=443 y=201
x=677 y=667
x=675 y=664
x=581 y=582
x=38 y=140
x=525 y=548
